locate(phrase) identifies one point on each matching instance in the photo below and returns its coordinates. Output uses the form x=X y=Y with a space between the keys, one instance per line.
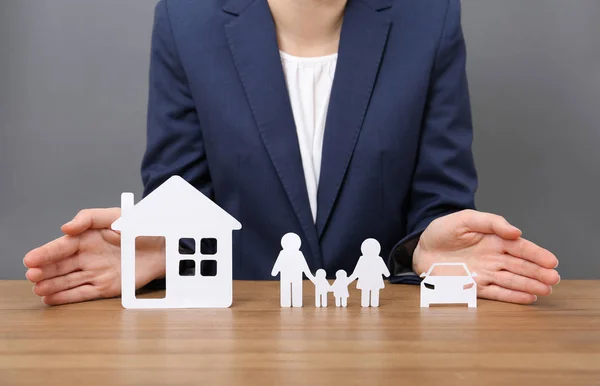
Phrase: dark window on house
x=187 y=268
x=208 y=246
x=187 y=246
x=208 y=268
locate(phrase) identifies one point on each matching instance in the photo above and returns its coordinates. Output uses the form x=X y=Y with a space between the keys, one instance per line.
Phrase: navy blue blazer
x=397 y=147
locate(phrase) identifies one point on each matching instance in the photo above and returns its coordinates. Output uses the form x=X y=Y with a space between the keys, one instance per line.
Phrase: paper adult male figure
x=291 y=264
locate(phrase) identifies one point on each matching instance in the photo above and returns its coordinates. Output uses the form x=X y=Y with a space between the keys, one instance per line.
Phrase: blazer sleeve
x=174 y=137
x=444 y=179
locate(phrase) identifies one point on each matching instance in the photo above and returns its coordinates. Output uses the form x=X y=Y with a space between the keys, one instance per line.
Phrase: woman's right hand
x=85 y=264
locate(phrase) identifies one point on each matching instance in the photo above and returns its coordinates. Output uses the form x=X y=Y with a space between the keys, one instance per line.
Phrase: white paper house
x=176 y=210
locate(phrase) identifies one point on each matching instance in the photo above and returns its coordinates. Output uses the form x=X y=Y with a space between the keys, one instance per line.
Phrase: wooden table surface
x=554 y=342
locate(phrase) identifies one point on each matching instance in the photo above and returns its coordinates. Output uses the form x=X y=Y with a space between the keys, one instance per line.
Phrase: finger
x=78 y=294
x=111 y=236
x=91 y=219
x=53 y=251
x=489 y=224
x=520 y=283
x=527 y=250
x=495 y=292
x=59 y=268
x=526 y=268
x=61 y=283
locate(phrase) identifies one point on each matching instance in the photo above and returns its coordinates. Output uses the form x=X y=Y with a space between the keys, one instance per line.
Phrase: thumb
x=91 y=219
x=489 y=223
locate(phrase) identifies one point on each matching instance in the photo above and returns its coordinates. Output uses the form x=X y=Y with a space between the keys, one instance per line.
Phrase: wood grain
x=554 y=342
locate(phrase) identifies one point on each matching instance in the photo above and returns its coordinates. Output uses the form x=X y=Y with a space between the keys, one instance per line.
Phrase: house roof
x=176 y=201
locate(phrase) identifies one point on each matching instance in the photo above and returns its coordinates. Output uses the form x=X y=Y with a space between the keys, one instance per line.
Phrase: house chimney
x=126 y=203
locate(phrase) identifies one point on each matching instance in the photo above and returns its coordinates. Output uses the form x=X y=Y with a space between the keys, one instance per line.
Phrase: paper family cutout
x=291 y=264
x=449 y=289
x=177 y=211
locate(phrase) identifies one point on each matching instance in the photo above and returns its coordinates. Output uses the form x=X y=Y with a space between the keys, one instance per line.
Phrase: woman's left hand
x=509 y=268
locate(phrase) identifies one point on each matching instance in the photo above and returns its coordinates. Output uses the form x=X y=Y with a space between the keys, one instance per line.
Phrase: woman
x=335 y=120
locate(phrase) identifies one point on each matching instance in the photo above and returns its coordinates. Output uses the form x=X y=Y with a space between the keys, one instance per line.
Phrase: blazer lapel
x=253 y=44
x=362 y=43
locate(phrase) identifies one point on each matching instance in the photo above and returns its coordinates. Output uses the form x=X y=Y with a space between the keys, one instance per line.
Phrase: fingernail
x=558 y=279
x=535 y=298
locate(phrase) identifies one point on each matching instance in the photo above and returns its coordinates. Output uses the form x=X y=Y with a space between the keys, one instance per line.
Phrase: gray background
x=73 y=84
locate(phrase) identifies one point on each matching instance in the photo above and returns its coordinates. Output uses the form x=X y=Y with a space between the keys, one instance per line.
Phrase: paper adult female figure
x=368 y=270
x=291 y=264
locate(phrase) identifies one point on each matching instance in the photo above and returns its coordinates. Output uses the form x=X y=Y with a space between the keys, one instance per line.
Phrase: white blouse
x=309 y=82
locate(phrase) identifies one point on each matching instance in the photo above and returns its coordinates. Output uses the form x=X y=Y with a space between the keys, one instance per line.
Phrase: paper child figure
x=291 y=264
x=340 y=288
x=368 y=270
x=322 y=288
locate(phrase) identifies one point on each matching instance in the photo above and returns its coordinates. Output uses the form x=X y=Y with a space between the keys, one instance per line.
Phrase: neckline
x=308 y=59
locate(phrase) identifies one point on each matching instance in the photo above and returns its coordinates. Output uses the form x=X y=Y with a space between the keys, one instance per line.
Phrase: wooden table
x=555 y=342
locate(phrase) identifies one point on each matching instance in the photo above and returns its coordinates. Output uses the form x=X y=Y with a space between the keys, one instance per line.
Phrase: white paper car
x=448 y=283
